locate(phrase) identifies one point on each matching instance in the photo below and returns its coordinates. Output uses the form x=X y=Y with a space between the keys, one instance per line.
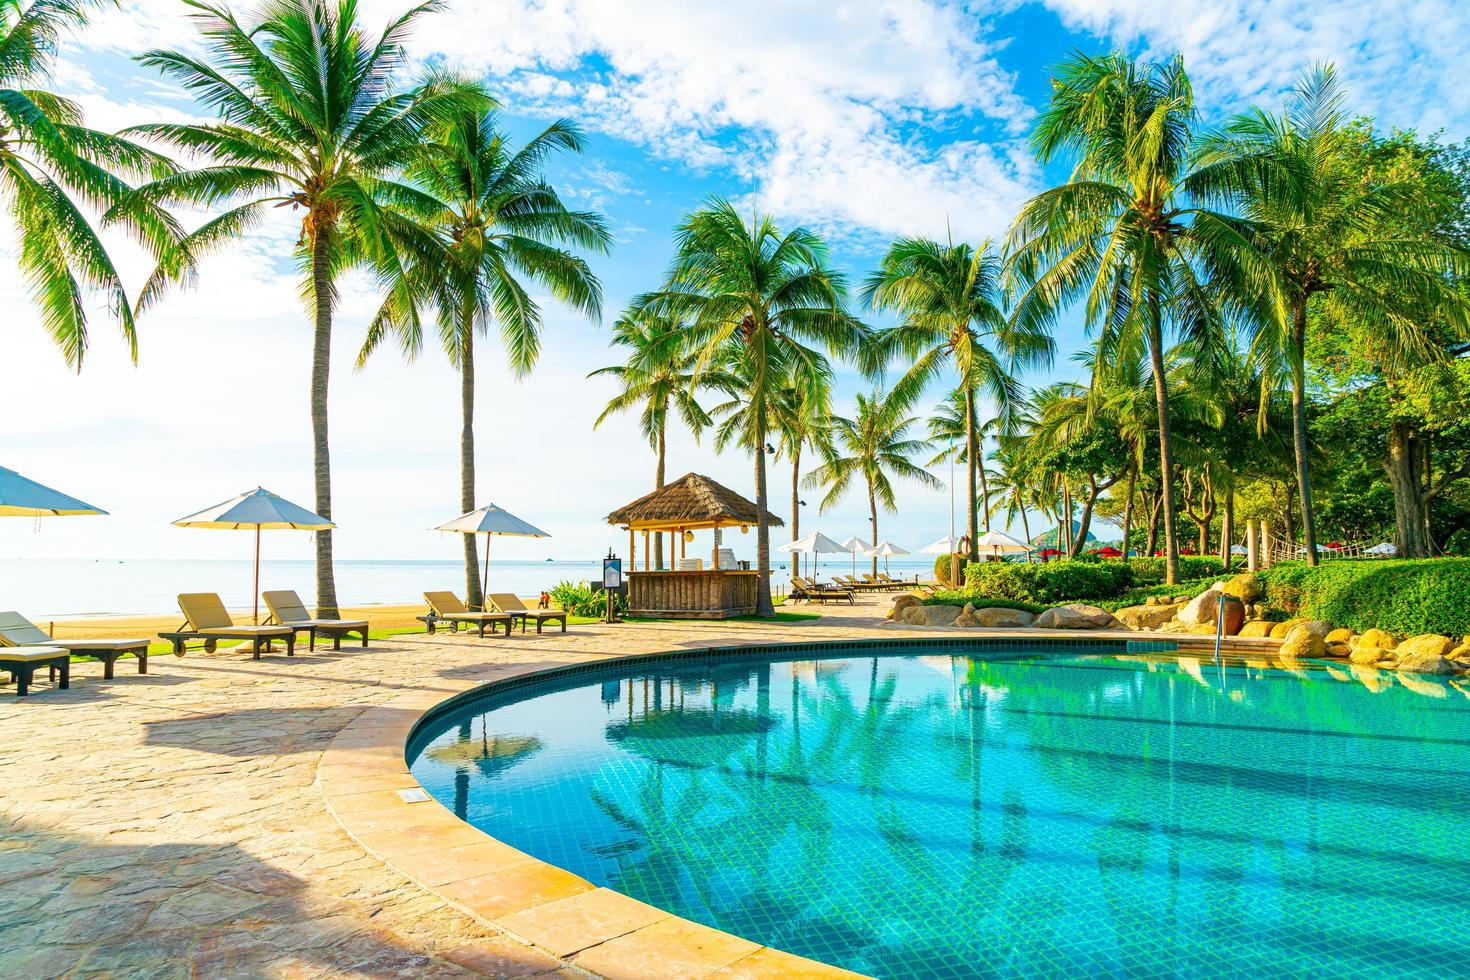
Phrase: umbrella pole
x=485 y=577
x=255 y=616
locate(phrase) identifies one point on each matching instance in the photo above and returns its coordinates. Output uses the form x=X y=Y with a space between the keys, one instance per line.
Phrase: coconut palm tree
x=874 y=447
x=949 y=304
x=762 y=301
x=1014 y=489
x=658 y=377
x=308 y=118
x=52 y=168
x=949 y=427
x=1331 y=249
x=492 y=225
x=800 y=423
x=1124 y=234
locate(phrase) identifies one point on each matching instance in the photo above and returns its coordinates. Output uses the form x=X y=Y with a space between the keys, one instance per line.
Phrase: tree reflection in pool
x=1003 y=814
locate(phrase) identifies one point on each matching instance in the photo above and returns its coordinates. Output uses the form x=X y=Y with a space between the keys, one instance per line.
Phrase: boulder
x=1002 y=617
x=1201 y=609
x=1461 y=653
x=1425 y=645
x=1256 y=627
x=1075 y=616
x=1301 y=642
x=1147 y=617
x=1340 y=650
x=1367 y=656
x=966 y=616
x=902 y=602
x=1280 y=630
x=1339 y=635
x=1203 y=629
x=1317 y=627
x=1378 y=639
x=931 y=615
x=1421 y=659
x=1247 y=588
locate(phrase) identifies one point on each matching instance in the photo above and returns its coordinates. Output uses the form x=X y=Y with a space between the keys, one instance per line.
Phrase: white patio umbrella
x=857 y=546
x=490 y=520
x=1239 y=549
x=886 y=549
x=814 y=544
x=259 y=510
x=1385 y=548
x=1000 y=542
x=944 y=546
x=20 y=497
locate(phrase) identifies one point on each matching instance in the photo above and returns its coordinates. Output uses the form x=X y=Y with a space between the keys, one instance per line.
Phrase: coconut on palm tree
x=1125 y=235
x=949 y=304
x=490 y=224
x=310 y=119
x=873 y=447
x=53 y=169
x=762 y=304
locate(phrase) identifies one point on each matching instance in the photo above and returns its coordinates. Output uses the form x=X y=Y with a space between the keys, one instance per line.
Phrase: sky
x=861 y=120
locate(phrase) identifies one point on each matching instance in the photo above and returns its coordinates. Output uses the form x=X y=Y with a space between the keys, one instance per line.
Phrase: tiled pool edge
x=594 y=930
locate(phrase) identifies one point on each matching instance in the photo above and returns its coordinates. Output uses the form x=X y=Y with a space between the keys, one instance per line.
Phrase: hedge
x=958 y=597
x=1048 y=583
x=1151 y=571
x=1407 y=597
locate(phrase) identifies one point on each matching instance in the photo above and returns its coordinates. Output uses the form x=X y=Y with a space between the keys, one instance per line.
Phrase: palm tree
x=491 y=223
x=51 y=168
x=800 y=422
x=1013 y=485
x=949 y=427
x=1330 y=248
x=758 y=300
x=874 y=447
x=948 y=298
x=308 y=119
x=1122 y=233
x=657 y=375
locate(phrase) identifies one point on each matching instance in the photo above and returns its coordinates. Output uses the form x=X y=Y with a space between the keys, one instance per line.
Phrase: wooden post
x=1265 y=544
x=647 y=553
x=715 y=549
x=1253 y=555
x=681 y=542
x=632 y=550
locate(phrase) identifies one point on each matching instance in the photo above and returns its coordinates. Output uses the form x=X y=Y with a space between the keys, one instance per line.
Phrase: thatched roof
x=690 y=501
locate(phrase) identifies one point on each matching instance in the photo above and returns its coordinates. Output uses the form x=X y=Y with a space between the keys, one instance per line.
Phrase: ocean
x=43 y=588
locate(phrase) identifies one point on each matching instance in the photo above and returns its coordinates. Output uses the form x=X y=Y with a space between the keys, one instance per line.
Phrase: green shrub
x=941 y=568
x=1407 y=597
x=578 y=599
x=1151 y=571
x=1049 y=583
x=958 y=597
x=1141 y=594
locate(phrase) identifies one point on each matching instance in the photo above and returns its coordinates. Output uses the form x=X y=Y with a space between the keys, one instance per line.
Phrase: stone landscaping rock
x=1280 y=630
x=1378 y=639
x=1424 y=645
x=966 y=616
x=1002 y=617
x=1076 y=616
x=1247 y=588
x=1203 y=629
x=1317 y=627
x=1366 y=655
x=1256 y=627
x=1149 y=616
x=1302 y=642
x=1339 y=650
x=902 y=602
x=931 y=615
x=1201 y=609
x=1339 y=635
x=1420 y=658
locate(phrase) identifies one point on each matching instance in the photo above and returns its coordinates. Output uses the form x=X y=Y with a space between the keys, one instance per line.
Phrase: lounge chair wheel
x=210 y=646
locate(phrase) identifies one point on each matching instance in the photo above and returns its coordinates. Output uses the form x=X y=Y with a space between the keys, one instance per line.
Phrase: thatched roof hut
x=690 y=502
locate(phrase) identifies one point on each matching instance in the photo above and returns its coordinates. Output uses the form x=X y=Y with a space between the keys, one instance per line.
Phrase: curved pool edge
x=593 y=929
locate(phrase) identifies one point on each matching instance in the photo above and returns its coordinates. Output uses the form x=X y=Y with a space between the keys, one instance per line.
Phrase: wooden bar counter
x=704 y=594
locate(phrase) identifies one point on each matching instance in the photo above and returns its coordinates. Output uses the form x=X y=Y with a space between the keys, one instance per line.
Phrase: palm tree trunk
x=972 y=552
x=1128 y=508
x=1299 y=424
x=984 y=483
x=1410 y=506
x=1025 y=528
x=1166 y=446
x=796 y=492
x=1227 y=530
x=321 y=365
x=658 y=482
x=873 y=517
x=467 y=502
x=763 y=605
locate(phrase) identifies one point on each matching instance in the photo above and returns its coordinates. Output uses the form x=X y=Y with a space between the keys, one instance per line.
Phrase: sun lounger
x=816 y=592
x=17 y=631
x=287 y=609
x=847 y=581
x=884 y=582
x=508 y=603
x=445 y=607
x=23 y=662
x=205 y=619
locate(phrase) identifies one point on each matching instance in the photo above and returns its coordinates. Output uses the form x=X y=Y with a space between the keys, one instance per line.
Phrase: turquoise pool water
x=1001 y=814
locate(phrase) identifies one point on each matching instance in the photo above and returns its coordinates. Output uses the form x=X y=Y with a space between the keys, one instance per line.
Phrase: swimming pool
x=994 y=813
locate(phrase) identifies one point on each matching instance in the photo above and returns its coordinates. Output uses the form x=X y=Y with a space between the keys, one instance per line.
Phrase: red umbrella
x=1335 y=545
x=1049 y=552
x=1107 y=552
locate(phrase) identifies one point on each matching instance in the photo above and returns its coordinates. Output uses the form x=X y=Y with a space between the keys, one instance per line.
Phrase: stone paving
x=174 y=824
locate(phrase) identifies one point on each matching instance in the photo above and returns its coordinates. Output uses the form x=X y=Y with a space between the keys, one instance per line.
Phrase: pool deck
x=227 y=816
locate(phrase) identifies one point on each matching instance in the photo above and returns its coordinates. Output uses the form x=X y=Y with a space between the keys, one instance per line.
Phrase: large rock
x=1256 y=627
x=966 y=616
x=1301 y=642
x=1424 y=645
x=1317 y=627
x=1339 y=635
x=1147 y=617
x=931 y=615
x=1003 y=618
x=1247 y=588
x=1378 y=639
x=1075 y=616
x=902 y=602
x=1368 y=656
x=1339 y=650
x=1285 y=626
x=1201 y=609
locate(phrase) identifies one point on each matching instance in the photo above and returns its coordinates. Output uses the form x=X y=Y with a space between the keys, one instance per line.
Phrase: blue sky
x=864 y=120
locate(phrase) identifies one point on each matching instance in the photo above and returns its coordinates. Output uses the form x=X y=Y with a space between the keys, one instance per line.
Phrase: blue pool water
x=1001 y=814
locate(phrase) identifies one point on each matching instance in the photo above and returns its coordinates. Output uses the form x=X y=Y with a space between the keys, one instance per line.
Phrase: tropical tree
x=489 y=223
x=759 y=302
x=1124 y=234
x=949 y=304
x=308 y=118
x=1334 y=246
x=656 y=378
x=800 y=424
x=53 y=169
x=1014 y=490
x=949 y=428
x=874 y=446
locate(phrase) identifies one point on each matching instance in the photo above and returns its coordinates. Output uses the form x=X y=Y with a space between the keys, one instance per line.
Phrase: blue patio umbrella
x=20 y=497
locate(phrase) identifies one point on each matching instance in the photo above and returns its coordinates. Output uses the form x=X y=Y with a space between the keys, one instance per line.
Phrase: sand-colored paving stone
x=221 y=816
